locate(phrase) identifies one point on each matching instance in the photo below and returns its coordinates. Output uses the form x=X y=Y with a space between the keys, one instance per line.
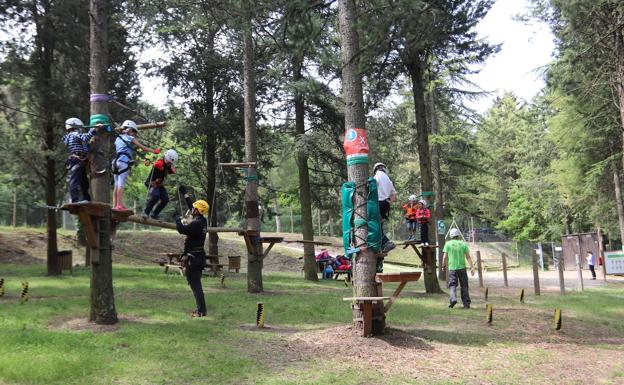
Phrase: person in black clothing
x=155 y=182
x=194 y=257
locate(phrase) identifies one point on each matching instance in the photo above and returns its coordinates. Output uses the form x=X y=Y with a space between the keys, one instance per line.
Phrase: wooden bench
x=366 y=305
x=403 y=278
x=171 y=264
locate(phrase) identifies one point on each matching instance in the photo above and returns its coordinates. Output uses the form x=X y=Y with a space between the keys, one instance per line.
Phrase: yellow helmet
x=202 y=206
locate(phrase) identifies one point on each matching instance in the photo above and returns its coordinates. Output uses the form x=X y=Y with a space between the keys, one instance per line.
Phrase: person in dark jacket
x=157 y=193
x=194 y=257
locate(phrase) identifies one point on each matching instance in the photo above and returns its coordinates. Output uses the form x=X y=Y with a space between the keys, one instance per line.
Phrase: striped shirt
x=77 y=143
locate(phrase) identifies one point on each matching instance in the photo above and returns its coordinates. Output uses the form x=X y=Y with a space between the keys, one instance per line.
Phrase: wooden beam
x=146 y=126
x=239 y=164
x=172 y=226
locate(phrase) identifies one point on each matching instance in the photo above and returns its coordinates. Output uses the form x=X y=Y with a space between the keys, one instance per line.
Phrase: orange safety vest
x=410 y=210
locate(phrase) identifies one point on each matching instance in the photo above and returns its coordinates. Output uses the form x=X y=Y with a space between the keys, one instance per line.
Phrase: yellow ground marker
x=260 y=315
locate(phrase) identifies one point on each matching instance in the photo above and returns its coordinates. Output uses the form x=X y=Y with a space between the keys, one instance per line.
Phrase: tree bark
x=45 y=45
x=252 y=213
x=102 y=296
x=437 y=183
x=414 y=66
x=305 y=195
x=210 y=153
x=619 y=48
x=617 y=185
x=364 y=266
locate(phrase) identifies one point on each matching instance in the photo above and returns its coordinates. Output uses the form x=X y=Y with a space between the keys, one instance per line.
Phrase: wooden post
x=541 y=255
x=536 y=283
x=14 y=221
x=479 y=268
x=330 y=224
x=560 y=270
x=292 y=221
x=579 y=269
x=601 y=255
x=504 y=259
x=134 y=225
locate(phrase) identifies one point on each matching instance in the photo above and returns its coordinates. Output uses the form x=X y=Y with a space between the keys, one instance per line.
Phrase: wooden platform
x=403 y=278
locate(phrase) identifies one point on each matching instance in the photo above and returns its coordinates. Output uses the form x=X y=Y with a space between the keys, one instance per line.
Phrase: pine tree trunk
x=617 y=185
x=45 y=46
x=102 y=296
x=252 y=214
x=364 y=266
x=415 y=68
x=620 y=91
x=210 y=153
x=305 y=195
x=437 y=183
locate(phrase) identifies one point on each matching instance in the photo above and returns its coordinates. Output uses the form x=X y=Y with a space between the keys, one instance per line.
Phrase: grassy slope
x=156 y=342
x=161 y=345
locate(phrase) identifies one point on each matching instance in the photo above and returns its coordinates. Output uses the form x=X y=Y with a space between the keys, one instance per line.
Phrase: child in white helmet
x=125 y=147
x=78 y=146
x=157 y=197
x=410 y=216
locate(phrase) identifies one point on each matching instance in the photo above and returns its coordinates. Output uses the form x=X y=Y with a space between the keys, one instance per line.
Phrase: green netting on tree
x=349 y=223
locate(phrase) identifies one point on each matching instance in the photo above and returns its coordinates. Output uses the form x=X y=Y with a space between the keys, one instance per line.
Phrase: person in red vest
x=422 y=216
x=410 y=216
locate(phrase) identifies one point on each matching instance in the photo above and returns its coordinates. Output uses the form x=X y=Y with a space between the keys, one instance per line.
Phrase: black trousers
x=593 y=271
x=78 y=182
x=424 y=232
x=193 y=277
x=157 y=199
x=384 y=212
x=461 y=277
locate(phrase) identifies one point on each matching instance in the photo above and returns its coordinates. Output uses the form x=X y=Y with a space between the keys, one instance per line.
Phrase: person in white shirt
x=386 y=194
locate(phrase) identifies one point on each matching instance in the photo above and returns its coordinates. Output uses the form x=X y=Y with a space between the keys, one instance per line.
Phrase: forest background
x=527 y=170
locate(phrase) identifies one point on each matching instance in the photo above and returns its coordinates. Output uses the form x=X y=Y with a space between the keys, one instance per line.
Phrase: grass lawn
x=308 y=340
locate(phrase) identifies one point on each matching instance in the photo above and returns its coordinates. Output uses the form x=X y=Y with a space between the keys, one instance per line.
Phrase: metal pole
x=134 y=225
x=14 y=222
x=536 y=283
x=560 y=269
x=504 y=259
x=541 y=254
x=601 y=255
x=580 y=272
x=479 y=268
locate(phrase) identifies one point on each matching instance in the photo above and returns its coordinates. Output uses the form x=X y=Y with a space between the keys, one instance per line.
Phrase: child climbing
x=125 y=146
x=410 y=216
x=422 y=216
x=157 y=197
x=78 y=146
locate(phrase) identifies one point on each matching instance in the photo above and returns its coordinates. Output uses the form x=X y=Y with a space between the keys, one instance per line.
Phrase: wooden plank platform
x=403 y=278
x=398 y=277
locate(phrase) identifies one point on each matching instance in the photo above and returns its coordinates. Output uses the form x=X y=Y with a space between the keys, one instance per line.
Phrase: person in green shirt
x=455 y=254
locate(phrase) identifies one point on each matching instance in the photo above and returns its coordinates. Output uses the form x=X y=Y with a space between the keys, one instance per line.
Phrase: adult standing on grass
x=591 y=262
x=386 y=194
x=456 y=252
x=194 y=256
